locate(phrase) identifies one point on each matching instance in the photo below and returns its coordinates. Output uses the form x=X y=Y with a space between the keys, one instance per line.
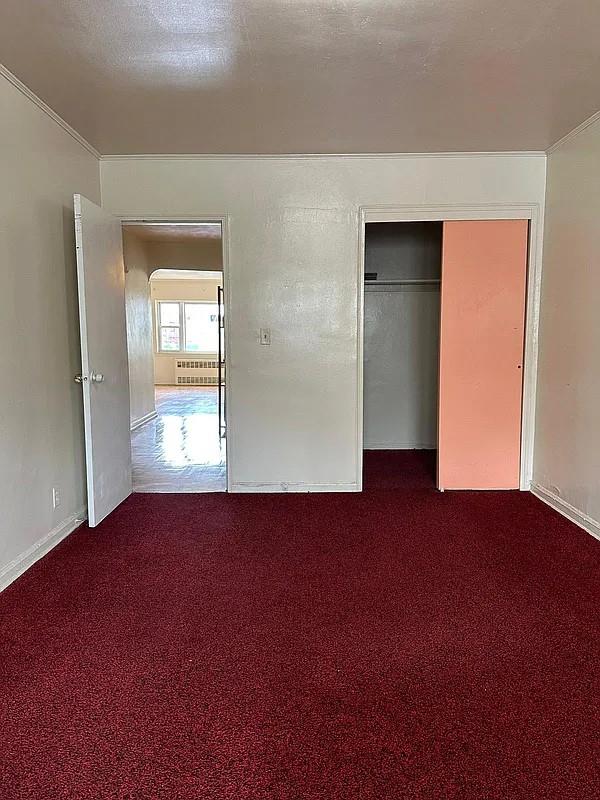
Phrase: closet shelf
x=405 y=282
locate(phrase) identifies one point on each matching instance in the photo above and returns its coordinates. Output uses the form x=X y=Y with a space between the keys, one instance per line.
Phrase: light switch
x=265 y=335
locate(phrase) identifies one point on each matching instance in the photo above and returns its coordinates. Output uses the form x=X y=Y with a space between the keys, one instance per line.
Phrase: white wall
x=179 y=289
x=401 y=353
x=567 y=444
x=139 y=327
x=293 y=268
x=41 y=439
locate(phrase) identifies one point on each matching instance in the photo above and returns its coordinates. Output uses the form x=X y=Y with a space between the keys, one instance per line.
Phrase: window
x=200 y=325
x=187 y=327
x=169 y=327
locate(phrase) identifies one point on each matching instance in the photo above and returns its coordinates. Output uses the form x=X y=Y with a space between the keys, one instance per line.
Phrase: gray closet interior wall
x=401 y=335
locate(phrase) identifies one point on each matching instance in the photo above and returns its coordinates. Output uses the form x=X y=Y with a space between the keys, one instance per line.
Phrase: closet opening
x=402 y=274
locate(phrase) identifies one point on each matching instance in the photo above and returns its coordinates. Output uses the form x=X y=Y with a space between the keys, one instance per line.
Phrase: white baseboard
x=399 y=446
x=38 y=550
x=249 y=487
x=137 y=423
x=588 y=524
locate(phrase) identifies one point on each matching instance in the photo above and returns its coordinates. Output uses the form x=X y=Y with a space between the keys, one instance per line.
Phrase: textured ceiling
x=309 y=76
x=175 y=231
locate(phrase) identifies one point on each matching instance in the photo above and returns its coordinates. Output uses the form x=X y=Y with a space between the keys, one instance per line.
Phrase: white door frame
x=437 y=213
x=148 y=218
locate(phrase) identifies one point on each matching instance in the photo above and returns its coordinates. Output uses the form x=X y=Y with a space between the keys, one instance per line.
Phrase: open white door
x=104 y=368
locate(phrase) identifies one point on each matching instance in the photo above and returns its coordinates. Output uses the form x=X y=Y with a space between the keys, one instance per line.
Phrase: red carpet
x=399 y=469
x=396 y=644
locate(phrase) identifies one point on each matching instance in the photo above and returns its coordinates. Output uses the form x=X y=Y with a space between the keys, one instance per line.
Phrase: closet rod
x=407 y=281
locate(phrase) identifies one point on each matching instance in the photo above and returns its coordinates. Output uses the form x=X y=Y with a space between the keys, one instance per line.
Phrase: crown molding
x=6 y=73
x=284 y=156
x=575 y=132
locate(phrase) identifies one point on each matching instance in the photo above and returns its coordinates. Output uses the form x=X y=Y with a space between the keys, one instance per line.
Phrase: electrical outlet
x=55 y=497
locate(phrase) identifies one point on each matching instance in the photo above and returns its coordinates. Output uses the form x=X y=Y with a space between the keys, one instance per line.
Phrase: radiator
x=196 y=372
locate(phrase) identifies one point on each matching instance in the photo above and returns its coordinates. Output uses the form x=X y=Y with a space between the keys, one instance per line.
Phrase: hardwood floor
x=180 y=450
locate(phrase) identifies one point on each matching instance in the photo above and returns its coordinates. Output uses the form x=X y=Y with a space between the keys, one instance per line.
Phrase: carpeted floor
x=399 y=469
x=401 y=643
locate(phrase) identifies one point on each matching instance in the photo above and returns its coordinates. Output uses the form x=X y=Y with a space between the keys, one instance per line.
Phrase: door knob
x=97 y=377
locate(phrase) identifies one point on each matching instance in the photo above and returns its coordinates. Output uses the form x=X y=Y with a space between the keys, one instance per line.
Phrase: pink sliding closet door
x=484 y=265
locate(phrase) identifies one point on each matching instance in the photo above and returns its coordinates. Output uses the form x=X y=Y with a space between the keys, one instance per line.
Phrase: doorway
x=176 y=347
x=488 y=299
x=401 y=352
